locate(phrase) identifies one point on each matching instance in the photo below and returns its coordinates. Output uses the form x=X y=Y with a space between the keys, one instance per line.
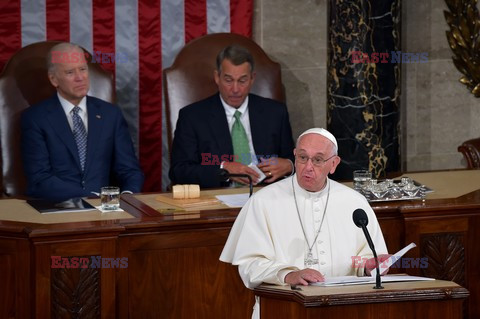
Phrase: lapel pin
x=98 y=116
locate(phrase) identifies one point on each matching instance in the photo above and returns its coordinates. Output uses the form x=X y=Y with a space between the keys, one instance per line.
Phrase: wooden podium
x=421 y=299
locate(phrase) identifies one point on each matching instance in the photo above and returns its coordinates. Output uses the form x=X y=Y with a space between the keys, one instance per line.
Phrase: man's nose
x=309 y=164
x=78 y=76
x=235 y=86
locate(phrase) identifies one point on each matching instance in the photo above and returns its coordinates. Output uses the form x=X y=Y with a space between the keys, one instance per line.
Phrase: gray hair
x=61 y=47
x=235 y=54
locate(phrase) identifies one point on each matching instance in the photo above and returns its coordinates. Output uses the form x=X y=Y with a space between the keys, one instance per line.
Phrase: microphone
x=224 y=176
x=360 y=219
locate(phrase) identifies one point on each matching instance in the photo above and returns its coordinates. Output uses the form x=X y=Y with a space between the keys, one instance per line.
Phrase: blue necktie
x=80 y=135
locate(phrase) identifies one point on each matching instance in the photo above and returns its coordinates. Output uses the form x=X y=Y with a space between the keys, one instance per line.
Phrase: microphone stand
x=378 y=282
x=225 y=175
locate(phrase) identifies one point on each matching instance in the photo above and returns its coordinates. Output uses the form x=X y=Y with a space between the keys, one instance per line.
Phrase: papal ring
x=269 y=173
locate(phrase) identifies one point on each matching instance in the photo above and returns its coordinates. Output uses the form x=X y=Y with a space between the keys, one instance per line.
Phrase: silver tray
x=397 y=192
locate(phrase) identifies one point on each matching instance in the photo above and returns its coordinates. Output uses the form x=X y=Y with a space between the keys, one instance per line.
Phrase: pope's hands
x=239 y=168
x=303 y=277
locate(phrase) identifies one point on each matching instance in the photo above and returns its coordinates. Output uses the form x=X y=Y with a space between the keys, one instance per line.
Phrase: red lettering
x=56 y=261
x=56 y=56
x=365 y=58
x=206 y=159
x=370 y=263
x=65 y=263
x=384 y=56
x=215 y=160
x=74 y=262
x=374 y=58
x=225 y=158
x=356 y=56
x=356 y=260
x=84 y=262
x=75 y=57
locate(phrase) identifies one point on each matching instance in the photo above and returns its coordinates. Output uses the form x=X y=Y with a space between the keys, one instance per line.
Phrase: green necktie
x=241 y=150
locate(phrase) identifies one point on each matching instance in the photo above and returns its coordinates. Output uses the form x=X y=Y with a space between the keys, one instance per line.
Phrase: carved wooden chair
x=24 y=82
x=471 y=151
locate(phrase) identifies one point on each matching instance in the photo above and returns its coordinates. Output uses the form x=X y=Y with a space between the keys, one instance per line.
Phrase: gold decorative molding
x=463 y=38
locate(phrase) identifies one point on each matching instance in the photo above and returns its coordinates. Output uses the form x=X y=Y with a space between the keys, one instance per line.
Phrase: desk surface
x=462 y=185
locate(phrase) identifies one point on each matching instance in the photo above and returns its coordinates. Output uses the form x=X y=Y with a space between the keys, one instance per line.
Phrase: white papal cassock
x=267 y=241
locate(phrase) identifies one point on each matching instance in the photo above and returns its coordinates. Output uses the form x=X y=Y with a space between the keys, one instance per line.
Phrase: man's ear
x=254 y=74
x=53 y=79
x=216 y=77
x=335 y=161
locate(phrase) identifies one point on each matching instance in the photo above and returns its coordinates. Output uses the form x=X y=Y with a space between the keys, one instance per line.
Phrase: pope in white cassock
x=300 y=230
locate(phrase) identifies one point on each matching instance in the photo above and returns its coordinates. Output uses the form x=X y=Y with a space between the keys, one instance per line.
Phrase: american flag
x=143 y=35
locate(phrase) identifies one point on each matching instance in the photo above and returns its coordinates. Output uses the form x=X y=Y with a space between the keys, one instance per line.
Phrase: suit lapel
x=255 y=113
x=95 y=124
x=217 y=121
x=59 y=122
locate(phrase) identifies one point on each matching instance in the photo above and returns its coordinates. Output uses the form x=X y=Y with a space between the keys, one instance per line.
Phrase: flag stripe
x=241 y=13
x=218 y=16
x=173 y=39
x=173 y=30
x=195 y=19
x=10 y=30
x=58 y=20
x=81 y=23
x=126 y=66
x=150 y=88
x=32 y=13
x=104 y=31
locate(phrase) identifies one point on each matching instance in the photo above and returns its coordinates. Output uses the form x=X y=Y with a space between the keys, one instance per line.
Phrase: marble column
x=363 y=84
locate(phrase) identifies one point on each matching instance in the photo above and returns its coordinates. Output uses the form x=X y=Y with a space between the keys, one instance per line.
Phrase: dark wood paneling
x=178 y=275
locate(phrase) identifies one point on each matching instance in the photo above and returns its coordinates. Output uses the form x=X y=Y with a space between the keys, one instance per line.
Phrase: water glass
x=110 y=198
x=361 y=179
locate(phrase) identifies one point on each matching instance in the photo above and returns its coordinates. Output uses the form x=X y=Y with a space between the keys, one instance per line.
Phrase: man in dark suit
x=73 y=144
x=232 y=130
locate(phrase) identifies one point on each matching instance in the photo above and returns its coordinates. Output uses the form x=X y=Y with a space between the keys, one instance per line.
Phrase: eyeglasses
x=316 y=160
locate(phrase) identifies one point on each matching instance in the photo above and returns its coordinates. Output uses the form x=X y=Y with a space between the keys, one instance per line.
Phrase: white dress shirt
x=68 y=108
x=245 y=119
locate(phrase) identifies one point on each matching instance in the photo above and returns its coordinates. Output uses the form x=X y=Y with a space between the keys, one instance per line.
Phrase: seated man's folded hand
x=239 y=168
x=275 y=168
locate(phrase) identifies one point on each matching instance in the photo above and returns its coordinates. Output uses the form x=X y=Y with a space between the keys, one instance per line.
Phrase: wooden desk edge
x=377 y=296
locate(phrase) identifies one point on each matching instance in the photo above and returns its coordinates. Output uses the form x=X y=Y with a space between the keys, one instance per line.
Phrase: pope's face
x=234 y=82
x=70 y=76
x=317 y=147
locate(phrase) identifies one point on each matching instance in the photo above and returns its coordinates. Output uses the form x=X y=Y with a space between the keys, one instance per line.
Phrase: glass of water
x=361 y=179
x=110 y=198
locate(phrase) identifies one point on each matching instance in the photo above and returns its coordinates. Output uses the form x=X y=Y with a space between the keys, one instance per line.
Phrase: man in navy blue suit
x=73 y=144
x=211 y=135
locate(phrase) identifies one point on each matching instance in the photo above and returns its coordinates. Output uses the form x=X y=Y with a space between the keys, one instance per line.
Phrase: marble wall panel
x=437 y=112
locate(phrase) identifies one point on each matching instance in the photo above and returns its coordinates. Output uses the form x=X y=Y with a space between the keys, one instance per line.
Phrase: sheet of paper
x=256 y=169
x=354 y=280
x=237 y=200
x=394 y=258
